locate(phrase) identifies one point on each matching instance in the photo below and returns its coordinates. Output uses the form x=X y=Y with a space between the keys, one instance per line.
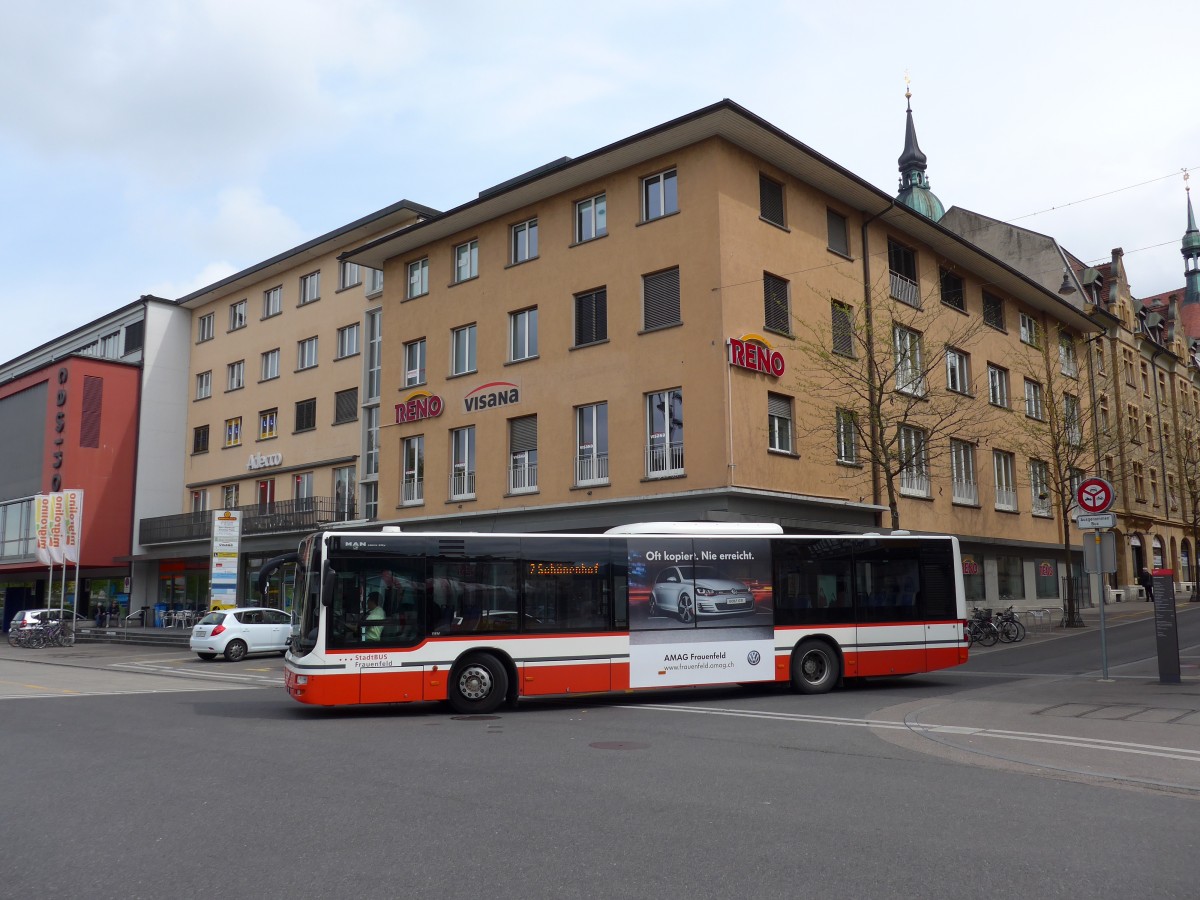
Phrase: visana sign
x=264 y=460
x=494 y=393
x=421 y=405
x=752 y=352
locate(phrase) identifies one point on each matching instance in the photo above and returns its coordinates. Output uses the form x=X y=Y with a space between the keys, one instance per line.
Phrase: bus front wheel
x=479 y=685
x=815 y=668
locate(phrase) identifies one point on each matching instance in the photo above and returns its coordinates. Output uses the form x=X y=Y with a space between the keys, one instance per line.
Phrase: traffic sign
x=1094 y=495
x=1097 y=521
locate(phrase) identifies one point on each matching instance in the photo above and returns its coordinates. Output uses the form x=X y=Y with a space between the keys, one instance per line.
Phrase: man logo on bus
x=754 y=657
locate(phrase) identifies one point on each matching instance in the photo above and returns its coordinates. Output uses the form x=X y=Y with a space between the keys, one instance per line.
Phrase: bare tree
x=1189 y=486
x=894 y=379
x=1062 y=436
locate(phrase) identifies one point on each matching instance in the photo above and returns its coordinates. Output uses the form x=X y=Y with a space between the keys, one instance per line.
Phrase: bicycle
x=981 y=629
x=1010 y=627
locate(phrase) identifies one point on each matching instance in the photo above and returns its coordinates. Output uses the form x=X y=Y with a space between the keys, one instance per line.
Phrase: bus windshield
x=308 y=595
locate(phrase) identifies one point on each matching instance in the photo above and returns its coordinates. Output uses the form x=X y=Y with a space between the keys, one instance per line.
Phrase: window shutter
x=661 y=294
x=345 y=406
x=843 y=341
x=770 y=200
x=93 y=402
x=779 y=406
x=523 y=434
x=591 y=317
x=776 y=315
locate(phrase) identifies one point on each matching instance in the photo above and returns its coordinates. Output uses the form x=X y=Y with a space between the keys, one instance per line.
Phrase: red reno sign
x=753 y=353
x=418 y=406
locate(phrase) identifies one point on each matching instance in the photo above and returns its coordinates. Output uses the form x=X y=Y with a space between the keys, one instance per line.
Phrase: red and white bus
x=481 y=619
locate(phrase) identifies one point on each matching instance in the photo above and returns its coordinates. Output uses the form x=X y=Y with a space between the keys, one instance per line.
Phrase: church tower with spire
x=914 y=183
x=1190 y=248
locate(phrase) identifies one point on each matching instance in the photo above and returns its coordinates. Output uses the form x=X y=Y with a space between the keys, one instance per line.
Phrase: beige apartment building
x=666 y=328
x=283 y=401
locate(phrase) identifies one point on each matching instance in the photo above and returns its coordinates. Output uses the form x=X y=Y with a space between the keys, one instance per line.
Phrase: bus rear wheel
x=479 y=685
x=815 y=668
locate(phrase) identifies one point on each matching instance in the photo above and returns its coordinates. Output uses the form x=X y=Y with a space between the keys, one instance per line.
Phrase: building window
x=838 y=231
x=962 y=473
x=1102 y=414
x=237 y=315
x=779 y=422
x=1145 y=370
x=1068 y=363
x=233 y=432
x=370 y=499
x=664 y=433
x=273 y=302
x=268 y=424
x=306 y=414
x=1162 y=388
x=1029 y=331
x=777 y=313
x=843 y=328
x=952 y=290
x=310 y=287
x=229 y=496
x=266 y=496
x=522 y=334
x=910 y=374
x=412 y=470
x=200 y=439
x=414 y=363
x=660 y=195
x=302 y=489
x=993 y=311
x=591 y=444
x=306 y=353
x=270 y=365
x=522 y=455
x=371 y=442
x=591 y=218
x=1073 y=420
x=349 y=275
x=1100 y=359
x=347 y=341
x=199 y=501
x=235 y=375
x=902 y=271
x=1127 y=365
x=466 y=261
x=914 y=462
x=591 y=317
x=204 y=385
x=418 y=278
x=524 y=241
x=462 y=463
x=1168 y=444
x=770 y=201
x=1004 y=469
x=1154 y=486
x=846 y=424
x=374 y=281
x=204 y=328
x=997 y=385
x=345 y=406
x=1132 y=412
x=374 y=361
x=343 y=493
x=1172 y=495
x=1039 y=488
x=1033 y=400
x=1139 y=482
x=462 y=350
x=1149 y=432
x=660 y=299
x=958 y=371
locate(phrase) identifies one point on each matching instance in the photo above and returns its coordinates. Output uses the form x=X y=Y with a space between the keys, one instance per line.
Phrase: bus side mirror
x=328 y=583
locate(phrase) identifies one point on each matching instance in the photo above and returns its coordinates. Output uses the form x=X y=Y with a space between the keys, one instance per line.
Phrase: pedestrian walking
x=1146 y=580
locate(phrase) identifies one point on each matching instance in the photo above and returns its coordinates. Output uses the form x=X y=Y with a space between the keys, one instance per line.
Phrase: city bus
x=480 y=620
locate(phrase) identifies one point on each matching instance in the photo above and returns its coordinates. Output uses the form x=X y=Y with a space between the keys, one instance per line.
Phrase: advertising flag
x=58 y=510
x=73 y=522
x=41 y=527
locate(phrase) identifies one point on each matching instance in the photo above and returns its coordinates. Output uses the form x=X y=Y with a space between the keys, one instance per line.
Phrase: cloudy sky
x=155 y=146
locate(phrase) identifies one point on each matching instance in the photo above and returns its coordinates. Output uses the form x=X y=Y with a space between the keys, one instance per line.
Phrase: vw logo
x=754 y=657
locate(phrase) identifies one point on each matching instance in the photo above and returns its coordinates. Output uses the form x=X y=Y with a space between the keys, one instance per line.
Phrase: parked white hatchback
x=236 y=632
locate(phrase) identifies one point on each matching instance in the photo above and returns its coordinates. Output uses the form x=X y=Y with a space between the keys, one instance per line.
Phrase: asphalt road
x=144 y=774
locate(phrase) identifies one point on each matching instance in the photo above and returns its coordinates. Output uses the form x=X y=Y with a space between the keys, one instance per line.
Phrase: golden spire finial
x=1187 y=187
x=907 y=82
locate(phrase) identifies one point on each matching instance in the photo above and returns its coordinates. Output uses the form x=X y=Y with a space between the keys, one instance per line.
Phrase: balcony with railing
x=914 y=483
x=591 y=470
x=277 y=517
x=522 y=478
x=966 y=492
x=412 y=491
x=905 y=289
x=664 y=460
x=462 y=485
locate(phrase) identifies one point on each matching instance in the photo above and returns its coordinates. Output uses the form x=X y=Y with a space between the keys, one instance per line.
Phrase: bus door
x=891 y=630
